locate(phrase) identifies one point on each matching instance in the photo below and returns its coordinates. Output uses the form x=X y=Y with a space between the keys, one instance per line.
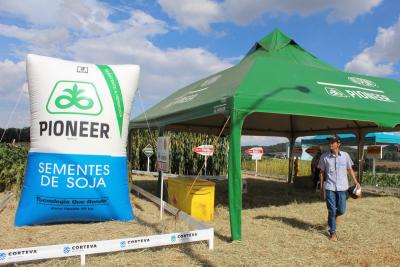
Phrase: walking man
x=335 y=165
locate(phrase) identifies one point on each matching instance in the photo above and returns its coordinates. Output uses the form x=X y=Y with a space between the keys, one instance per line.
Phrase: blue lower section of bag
x=71 y=188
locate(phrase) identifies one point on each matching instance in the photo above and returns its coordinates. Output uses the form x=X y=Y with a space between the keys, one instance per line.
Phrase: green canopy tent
x=278 y=89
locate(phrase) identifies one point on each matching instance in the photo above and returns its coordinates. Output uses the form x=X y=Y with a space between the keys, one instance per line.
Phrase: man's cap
x=334 y=138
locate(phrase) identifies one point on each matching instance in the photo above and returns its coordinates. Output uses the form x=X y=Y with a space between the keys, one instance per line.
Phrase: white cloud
x=364 y=64
x=88 y=16
x=13 y=78
x=200 y=14
x=195 y=14
x=32 y=11
x=380 y=58
x=12 y=81
x=350 y=10
x=46 y=41
x=248 y=140
x=163 y=70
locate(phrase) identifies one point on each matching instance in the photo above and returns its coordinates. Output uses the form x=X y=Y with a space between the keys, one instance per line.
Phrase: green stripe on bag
x=115 y=91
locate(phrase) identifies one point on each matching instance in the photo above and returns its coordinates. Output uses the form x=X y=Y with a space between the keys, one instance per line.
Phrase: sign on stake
x=148 y=151
x=206 y=151
x=256 y=154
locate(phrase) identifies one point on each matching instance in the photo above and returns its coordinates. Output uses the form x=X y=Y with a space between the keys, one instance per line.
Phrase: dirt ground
x=283 y=225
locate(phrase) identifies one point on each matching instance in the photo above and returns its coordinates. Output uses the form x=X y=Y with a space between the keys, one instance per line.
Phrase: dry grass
x=387 y=163
x=283 y=225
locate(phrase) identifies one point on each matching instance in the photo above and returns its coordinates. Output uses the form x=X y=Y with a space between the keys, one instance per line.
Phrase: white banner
x=94 y=247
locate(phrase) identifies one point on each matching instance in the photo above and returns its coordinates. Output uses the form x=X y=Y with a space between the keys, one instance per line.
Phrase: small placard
x=163 y=153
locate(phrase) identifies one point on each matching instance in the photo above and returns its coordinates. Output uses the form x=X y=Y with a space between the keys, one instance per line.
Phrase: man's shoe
x=333 y=237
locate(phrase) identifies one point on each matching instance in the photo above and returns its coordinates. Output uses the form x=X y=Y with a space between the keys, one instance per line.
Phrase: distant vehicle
x=278 y=155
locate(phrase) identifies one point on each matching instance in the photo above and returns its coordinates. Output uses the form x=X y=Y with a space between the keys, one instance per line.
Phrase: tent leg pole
x=234 y=175
x=290 y=171
x=160 y=134
x=129 y=151
x=360 y=154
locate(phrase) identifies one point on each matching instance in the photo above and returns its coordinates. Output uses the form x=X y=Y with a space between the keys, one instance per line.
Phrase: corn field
x=275 y=166
x=182 y=159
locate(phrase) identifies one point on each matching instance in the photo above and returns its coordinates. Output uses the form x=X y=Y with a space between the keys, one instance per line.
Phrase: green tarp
x=278 y=89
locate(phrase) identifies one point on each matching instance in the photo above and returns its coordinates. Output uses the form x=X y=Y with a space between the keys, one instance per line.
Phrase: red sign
x=255 y=151
x=205 y=150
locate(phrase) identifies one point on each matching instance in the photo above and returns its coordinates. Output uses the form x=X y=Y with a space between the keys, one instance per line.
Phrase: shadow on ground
x=262 y=192
x=295 y=223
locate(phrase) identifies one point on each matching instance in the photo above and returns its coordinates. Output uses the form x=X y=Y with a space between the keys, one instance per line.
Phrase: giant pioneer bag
x=77 y=164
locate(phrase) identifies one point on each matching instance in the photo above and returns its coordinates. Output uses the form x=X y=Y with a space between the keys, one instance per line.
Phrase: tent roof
x=370 y=139
x=285 y=91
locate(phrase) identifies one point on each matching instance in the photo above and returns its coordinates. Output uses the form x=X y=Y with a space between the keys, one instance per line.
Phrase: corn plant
x=12 y=166
x=182 y=159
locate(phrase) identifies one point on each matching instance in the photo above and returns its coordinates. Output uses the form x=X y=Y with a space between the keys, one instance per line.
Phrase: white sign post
x=256 y=154
x=148 y=151
x=206 y=151
x=162 y=164
x=374 y=152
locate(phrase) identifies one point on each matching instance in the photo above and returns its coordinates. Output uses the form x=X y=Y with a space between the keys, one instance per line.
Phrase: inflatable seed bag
x=77 y=164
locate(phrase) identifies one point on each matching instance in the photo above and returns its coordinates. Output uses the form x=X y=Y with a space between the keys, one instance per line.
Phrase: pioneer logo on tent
x=335 y=92
x=74 y=97
x=357 y=94
x=361 y=81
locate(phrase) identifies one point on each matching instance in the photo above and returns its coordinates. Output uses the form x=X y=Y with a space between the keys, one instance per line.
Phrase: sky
x=177 y=42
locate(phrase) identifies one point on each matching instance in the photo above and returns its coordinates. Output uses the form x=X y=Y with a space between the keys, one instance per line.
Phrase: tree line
x=17 y=135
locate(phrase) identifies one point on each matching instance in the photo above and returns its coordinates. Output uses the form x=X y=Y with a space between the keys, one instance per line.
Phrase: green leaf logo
x=74 y=97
